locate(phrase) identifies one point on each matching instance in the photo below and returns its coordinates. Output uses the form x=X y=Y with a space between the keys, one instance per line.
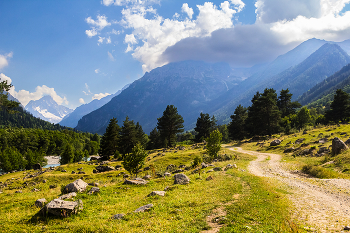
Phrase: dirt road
x=323 y=205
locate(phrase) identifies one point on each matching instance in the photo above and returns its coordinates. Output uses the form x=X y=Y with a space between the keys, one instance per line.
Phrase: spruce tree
x=5 y=103
x=155 y=141
x=170 y=124
x=204 y=126
x=67 y=155
x=285 y=104
x=109 y=140
x=236 y=127
x=127 y=137
x=339 y=108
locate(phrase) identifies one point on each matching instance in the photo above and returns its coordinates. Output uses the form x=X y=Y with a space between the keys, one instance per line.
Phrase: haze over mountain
x=47 y=109
x=71 y=120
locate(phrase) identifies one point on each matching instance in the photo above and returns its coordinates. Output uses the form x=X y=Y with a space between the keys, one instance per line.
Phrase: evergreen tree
x=127 y=137
x=285 y=104
x=204 y=126
x=225 y=133
x=214 y=144
x=5 y=103
x=339 y=108
x=236 y=127
x=155 y=142
x=140 y=135
x=170 y=124
x=303 y=117
x=109 y=140
x=135 y=160
x=67 y=155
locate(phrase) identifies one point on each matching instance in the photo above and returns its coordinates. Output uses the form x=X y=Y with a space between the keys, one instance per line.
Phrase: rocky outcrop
x=94 y=190
x=156 y=193
x=104 y=168
x=136 y=181
x=144 y=208
x=338 y=145
x=77 y=186
x=275 y=142
x=40 y=202
x=62 y=208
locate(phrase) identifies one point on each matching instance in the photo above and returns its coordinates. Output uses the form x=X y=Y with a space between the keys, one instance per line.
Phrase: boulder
x=92 y=158
x=204 y=165
x=73 y=172
x=347 y=142
x=217 y=169
x=300 y=140
x=94 y=190
x=81 y=172
x=52 y=186
x=181 y=179
x=288 y=150
x=167 y=174
x=147 y=177
x=68 y=196
x=323 y=140
x=105 y=168
x=77 y=186
x=144 y=208
x=94 y=184
x=136 y=181
x=19 y=191
x=62 y=208
x=40 y=202
x=323 y=150
x=211 y=170
x=147 y=168
x=230 y=166
x=156 y=193
x=275 y=142
x=338 y=145
x=118 y=216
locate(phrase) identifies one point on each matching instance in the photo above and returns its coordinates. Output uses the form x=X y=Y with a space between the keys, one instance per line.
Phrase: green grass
x=261 y=205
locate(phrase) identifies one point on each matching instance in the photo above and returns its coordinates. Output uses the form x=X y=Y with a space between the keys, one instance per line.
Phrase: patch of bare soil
x=322 y=204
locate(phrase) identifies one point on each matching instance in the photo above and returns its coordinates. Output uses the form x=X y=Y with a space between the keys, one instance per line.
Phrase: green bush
x=319 y=172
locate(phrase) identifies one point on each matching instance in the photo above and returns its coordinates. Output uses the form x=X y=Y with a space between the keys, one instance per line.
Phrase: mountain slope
x=189 y=85
x=47 y=109
x=71 y=120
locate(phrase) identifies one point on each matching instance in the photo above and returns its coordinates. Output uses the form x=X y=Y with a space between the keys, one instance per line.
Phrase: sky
x=78 y=51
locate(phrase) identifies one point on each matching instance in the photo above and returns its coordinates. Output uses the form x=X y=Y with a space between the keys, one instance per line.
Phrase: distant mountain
x=47 y=109
x=323 y=93
x=71 y=120
x=189 y=85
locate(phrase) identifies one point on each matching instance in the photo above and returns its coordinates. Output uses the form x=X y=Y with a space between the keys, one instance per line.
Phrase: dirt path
x=323 y=204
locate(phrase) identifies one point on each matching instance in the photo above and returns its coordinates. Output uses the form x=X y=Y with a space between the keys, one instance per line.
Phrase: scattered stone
x=147 y=177
x=230 y=166
x=126 y=176
x=63 y=170
x=147 y=168
x=94 y=184
x=167 y=174
x=81 y=172
x=94 y=171
x=181 y=179
x=178 y=171
x=79 y=169
x=204 y=165
x=35 y=190
x=73 y=172
x=182 y=166
x=136 y=181
x=77 y=186
x=44 y=181
x=144 y=208
x=217 y=169
x=62 y=208
x=118 y=216
x=40 y=202
x=105 y=162
x=196 y=170
x=19 y=191
x=170 y=167
x=275 y=142
x=338 y=145
x=288 y=150
x=156 y=193
x=209 y=178
x=104 y=168
x=300 y=140
x=211 y=170
x=92 y=158
x=52 y=186
x=323 y=140
x=94 y=190
x=68 y=196
x=305 y=132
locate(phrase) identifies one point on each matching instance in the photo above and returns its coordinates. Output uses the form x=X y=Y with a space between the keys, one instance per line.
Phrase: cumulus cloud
x=82 y=101
x=4 y=59
x=189 y=11
x=5 y=78
x=99 y=96
x=128 y=2
x=97 y=26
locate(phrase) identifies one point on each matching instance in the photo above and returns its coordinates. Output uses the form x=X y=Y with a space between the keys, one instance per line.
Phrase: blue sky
x=79 y=50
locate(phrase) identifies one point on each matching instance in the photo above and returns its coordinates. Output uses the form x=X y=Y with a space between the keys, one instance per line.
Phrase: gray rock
x=35 y=190
x=94 y=184
x=209 y=178
x=178 y=171
x=323 y=150
x=118 y=216
x=300 y=140
x=230 y=166
x=126 y=176
x=19 y=191
x=323 y=140
x=105 y=168
x=147 y=168
x=40 y=202
x=77 y=186
x=338 y=145
x=181 y=179
x=62 y=208
x=81 y=172
x=347 y=142
x=204 y=165
x=63 y=170
x=167 y=174
x=68 y=196
x=217 y=169
x=156 y=193
x=144 y=208
x=147 y=177
x=136 y=181
x=170 y=167
x=275 y=142
x=211 y=170
x=73 y=172
x=288 y=150
x=94 y=190
x=52 y=186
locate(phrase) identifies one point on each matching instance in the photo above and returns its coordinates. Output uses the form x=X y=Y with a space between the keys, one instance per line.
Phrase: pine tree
x=170 y=124
x=135 y=160
x=67 y=155
x=5 y=103
x=204 y=126
x=109 y=140
x=237 y=126
x=155 y=141
x=285 y=104
x=303 y=117
x=340 y=107
x=127 y=137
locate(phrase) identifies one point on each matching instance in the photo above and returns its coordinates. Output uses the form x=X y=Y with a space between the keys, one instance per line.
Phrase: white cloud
x=187 y=10
x=115 y=32
x=5 y=78
x=100 y=23
x=130 y=39
x=107 y=2
x=100 y=40
x=4 y=59
x=108 y=40
x=82 y=101
x=99 y=96
x=87 y=92
x=128 y=2
x=97 y=71
x=91 y=33
x=110 y=56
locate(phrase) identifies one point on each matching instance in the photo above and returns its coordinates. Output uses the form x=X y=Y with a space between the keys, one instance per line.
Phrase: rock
x=323 y=140
x=44 y=181
x=92 y=158
x=62 y=208
x=204 y=165
x=77 y=186
x=147 y=177
x=105 y=162
x=196 y=170
x=52 y=186
x=178 y=171
x=73 y=172
x=125 y=176
x=346 y=228
x=217 y=169
x=170 y=167
x=275 y=142
x=338 y=145
x=81 y=172
x=136 y=181
x=169 y=188
x=19 y=191
x=37 y=166
x=211 y=170
x=144 y=208
x=156 y=193
x=40 y=202
x=94 y=171
x=288 y=150
x=68 y=196
x=230 y=166
x=347 y=142
x=181 y=179
x=94 y=190
x=167 y=174
x=147 y=168
x=63 y=170
x=118 y=216
x=182 y=166
x=104 y=168
x=323 y=150
x=94 y=184
x=35 y=190
x=209 y=178
x=305 y=132
x=300 y=140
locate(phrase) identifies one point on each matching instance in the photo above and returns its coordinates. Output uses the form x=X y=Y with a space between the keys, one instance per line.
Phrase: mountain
x=71 y=120
x=189 y=85
x=47 y=109
x=323 y=92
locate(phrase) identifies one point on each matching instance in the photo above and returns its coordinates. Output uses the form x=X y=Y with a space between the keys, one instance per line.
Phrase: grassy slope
x=253 y=204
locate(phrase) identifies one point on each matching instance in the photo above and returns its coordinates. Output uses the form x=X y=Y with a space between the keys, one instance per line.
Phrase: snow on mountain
x=47 y=109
